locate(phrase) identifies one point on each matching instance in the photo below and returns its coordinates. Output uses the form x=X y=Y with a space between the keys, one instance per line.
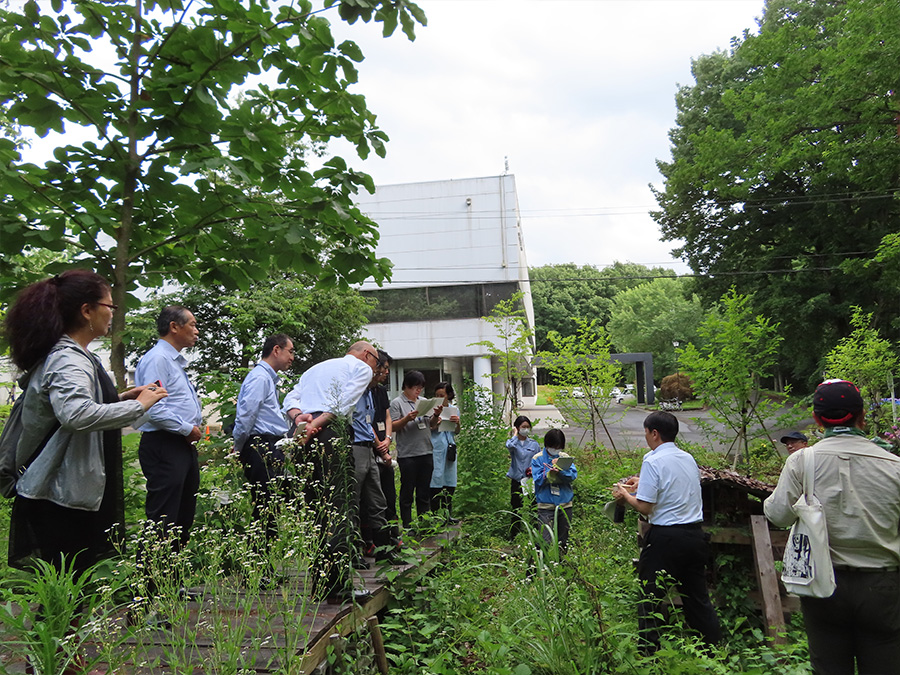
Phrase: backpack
x=10 y=470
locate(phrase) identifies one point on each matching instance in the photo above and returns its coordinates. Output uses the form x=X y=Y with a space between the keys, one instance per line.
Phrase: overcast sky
x=578 y=94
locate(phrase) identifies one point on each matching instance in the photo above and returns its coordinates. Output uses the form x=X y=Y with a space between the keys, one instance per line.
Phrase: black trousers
x=859 y=624
x=46 y=531
x=679 y=552
x=515 y=505
x=415 y=485
x=263 y=462
x=329 y=492
x=172 y=471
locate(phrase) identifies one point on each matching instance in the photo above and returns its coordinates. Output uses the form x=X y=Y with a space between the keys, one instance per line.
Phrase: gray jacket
x=70 y=470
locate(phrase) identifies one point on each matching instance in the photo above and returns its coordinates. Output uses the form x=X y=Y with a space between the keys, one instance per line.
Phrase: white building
x=457 y=250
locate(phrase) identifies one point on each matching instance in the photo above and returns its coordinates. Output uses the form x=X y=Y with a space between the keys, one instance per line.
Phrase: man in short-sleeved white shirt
x=668 y=495
x=326 y=390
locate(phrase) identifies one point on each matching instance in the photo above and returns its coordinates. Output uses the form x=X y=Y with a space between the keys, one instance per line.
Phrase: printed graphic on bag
x=797 y=559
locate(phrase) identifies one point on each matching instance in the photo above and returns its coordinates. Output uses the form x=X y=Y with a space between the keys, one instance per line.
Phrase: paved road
x=626 y=425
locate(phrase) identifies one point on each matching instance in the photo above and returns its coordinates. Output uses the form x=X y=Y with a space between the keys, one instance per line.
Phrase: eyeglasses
x=112 y=307
x=372 y=354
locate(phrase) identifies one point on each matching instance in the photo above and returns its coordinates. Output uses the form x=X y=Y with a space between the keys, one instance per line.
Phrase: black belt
x=848 y=568
x=365 y=444
x=683 y=526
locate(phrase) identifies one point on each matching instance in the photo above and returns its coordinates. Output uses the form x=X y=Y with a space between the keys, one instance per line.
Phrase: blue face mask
x=553 y=452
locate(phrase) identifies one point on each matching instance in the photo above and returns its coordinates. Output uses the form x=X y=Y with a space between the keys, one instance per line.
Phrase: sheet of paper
x=426 y=406
x=446 y=414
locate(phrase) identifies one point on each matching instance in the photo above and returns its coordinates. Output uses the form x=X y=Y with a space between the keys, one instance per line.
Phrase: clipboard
x=564 y=463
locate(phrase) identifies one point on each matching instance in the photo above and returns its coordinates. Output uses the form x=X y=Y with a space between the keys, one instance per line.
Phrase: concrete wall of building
x=445 y=233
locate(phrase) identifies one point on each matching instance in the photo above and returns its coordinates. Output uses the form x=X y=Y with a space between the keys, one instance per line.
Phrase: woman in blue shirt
x=553 y=488
x=521 y=449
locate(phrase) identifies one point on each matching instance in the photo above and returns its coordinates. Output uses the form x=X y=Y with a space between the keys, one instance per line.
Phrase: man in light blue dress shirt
x=259 y=423
x=668 y=494
x=167 y=452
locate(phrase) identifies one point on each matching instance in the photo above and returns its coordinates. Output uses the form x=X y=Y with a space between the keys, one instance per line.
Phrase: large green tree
x=562 y=293
x=652 y=317
x=322 y=322
x=785 y=170
x=200 y=122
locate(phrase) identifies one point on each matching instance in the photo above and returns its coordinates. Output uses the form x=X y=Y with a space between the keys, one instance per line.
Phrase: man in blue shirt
x=167 y=452
x=259 y=423
x=668 y=495
x=369 y=503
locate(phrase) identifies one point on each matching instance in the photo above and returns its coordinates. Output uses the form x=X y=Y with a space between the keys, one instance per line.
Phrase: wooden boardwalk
x=274 y=631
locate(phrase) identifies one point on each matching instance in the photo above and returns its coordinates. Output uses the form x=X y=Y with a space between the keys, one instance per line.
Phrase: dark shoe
x=369 y=550
x=357 y=596
x=452 y=521
x=360 y=564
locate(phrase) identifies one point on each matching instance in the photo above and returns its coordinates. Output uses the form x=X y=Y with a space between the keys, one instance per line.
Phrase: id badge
x=368 y=419
x=554 y=490
x=382 y=427
x=422 y=424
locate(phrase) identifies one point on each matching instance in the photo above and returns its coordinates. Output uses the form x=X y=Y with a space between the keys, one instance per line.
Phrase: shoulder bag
x=807 y=569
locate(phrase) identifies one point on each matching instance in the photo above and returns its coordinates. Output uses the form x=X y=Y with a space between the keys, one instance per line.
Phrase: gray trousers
x=562 y=518
x=367 y=489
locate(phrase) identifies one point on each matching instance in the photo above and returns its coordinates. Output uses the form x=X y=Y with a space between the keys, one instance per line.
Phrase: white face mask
x=525 y=431
x=553 y=452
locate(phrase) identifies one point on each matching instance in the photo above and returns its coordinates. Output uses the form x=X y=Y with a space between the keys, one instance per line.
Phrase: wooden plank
x=729 y=535
x=226 y=608
x=352 y=617
x=378 y=645
x=767 y=579
x=737 y=535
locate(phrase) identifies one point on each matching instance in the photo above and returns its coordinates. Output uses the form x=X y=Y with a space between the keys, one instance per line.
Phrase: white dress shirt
x=331 y=386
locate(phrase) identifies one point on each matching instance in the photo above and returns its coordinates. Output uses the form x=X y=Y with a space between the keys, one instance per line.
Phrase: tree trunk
x=123 y=232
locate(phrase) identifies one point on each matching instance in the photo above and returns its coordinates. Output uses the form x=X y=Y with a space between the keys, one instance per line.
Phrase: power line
x=771 y=201
x=636 y=277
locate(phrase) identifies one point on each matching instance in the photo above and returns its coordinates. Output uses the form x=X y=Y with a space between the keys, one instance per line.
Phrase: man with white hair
x=325 y=392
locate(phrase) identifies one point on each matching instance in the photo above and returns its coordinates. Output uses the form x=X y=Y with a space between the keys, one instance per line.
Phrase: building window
x=431 y=303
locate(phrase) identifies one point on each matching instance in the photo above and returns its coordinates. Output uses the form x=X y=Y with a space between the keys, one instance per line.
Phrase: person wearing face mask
x=553 y=488
x=521 y=449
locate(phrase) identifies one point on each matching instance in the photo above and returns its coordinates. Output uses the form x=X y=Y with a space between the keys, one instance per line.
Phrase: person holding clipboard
x=553 y=472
